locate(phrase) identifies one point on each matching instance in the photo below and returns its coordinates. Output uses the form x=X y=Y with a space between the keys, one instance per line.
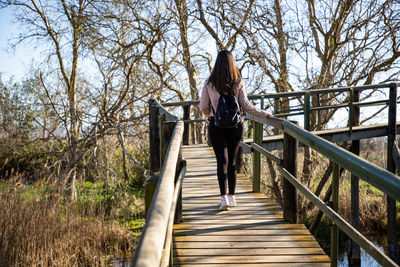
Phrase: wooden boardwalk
x=251 y=234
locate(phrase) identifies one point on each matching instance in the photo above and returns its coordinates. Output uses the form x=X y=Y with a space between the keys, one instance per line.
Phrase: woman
x=225 y=79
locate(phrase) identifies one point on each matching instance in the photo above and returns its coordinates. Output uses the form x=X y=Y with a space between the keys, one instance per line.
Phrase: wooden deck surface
x=251 y=234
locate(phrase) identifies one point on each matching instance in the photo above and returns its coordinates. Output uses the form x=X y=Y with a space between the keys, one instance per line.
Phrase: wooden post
x=276 y=111
x=178 y=210
x=208 y=123
x=149 y=189
x=239 y=156
x=335 y=207
x=391 y=203
x=354 y=256
x=289 y=191
x=154 y=141
x=167 y=128
x=307 y=111
x=186 y=131
x=257 y=138
x=239 y=160
x=319 y=117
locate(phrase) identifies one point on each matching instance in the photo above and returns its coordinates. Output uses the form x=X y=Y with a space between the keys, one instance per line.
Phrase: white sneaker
x=231 y=201
x=224 y=203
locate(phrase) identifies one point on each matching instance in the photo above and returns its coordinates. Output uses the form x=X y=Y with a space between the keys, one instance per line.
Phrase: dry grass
x=372 y=201
x=38 y=232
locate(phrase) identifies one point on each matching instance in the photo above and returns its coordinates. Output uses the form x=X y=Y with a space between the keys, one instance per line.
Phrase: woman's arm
x=247 y=106
x=205 y=101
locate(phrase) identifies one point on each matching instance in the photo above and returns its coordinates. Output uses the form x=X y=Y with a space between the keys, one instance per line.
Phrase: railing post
x=276 y=111
x=391 y=203
x=307 y=111
x=335 y=207
x=167 y=128
x=289 y=191
x=239 y=159
x=149 y=189
x=154 y=135
x=351 y=109
x=209 y=143
x=319 y=118
x=257 y=138
x=178 y=210
x=186 y=131
x=354 y=256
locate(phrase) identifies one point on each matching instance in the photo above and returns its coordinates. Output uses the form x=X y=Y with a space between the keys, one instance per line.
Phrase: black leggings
x=225 y=142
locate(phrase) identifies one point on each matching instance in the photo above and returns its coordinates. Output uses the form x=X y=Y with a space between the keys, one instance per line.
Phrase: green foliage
x=27 y=158
x=115 y=201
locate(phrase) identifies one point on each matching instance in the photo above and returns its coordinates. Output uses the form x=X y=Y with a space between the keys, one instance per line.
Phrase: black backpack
x=227 y=114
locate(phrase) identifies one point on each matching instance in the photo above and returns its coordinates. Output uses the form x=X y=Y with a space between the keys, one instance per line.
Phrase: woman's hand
x=269 y=114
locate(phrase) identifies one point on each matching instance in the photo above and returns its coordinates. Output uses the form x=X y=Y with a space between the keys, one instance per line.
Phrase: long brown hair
x=225 y=73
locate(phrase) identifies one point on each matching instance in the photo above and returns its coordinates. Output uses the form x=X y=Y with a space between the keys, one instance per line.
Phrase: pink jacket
x=210 y=95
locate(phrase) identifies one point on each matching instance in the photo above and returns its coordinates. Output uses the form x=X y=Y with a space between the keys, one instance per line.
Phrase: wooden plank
x=222 y=216
x=240 y=226
x=253 y=252
x=241 y=232
x=254 y=259
x=233 y=212
x=247 y=245
x=292 y=264
x=244 y=238
x=255 y=220
x=215 y=208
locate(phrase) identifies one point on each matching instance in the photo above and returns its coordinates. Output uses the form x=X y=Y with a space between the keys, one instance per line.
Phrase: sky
x=16 y=62
x=13 y=62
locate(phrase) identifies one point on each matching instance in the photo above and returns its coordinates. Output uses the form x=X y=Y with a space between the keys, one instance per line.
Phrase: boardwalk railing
x=155 y=244
x=151 y=250
x=382 y=179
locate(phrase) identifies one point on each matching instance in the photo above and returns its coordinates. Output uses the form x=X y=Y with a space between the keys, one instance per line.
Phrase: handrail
x=165 y=259
x=378 y=177
x=295 y=93
x=382 y=179
x=339 y=221
x=151 y=243
x=162 y=110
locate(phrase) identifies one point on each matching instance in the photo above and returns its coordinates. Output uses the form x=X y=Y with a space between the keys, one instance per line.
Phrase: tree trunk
x=183 y=18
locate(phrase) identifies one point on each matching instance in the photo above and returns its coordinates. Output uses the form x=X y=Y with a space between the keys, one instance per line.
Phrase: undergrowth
x=37 y=230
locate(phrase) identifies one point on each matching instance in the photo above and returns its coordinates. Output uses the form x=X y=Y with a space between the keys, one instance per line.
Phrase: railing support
x=391 y=203
x=186 y=131
x=276 y=111
x=335 y=207
x=307 y=111
x=154 y=134
x=354 y=256
x=161 y=147
x=289 y=191
x=239 y=159
x=319 y=117
x=178 y=211
x=257 y=133
x=149 y=189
